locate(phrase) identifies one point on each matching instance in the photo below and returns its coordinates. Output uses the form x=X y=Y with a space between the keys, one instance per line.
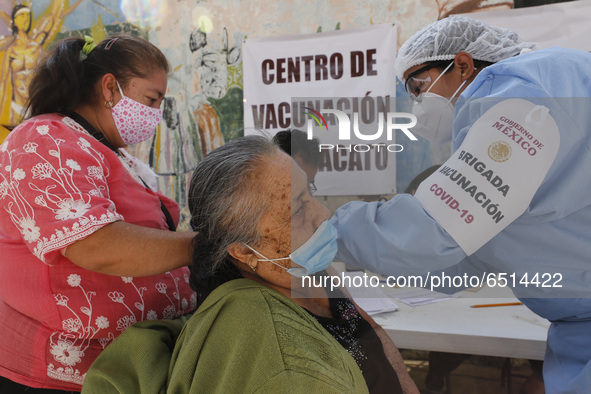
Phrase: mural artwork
x=20 y=52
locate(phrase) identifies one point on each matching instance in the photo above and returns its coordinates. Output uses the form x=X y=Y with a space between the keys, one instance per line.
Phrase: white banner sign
x=356 y=65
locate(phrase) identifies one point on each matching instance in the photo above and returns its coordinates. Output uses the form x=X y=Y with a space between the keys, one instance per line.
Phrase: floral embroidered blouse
x=58 y=185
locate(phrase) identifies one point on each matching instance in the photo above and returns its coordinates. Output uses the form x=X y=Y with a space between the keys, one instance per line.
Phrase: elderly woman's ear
x=243 y=255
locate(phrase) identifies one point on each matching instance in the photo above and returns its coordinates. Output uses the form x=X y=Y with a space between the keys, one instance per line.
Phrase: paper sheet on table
x=371 y=299
x=418 y=296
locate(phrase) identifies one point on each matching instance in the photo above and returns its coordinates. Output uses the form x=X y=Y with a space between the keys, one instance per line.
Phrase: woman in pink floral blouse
x=85 y=237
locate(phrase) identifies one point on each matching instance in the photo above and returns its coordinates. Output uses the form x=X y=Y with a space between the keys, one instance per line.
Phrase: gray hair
x=225 y=205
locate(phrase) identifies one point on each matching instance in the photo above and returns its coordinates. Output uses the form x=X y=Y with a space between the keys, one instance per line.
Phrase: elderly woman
x=253 y=332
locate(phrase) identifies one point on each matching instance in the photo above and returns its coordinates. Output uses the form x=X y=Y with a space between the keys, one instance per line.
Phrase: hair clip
x=110 y=43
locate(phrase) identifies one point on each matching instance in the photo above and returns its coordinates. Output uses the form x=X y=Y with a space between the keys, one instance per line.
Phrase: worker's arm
x=125 y=249
x=393 y=238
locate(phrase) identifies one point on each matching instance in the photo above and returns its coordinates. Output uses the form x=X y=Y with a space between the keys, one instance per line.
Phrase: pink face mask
x=136 y=122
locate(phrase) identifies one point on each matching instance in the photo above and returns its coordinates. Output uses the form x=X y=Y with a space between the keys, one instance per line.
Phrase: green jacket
x=245 y=338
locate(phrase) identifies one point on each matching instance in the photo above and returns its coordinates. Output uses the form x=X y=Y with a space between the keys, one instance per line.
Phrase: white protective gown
x=553 y=235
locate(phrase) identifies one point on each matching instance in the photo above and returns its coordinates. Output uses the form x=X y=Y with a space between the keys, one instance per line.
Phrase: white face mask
x=435 y=114
x=314 y=255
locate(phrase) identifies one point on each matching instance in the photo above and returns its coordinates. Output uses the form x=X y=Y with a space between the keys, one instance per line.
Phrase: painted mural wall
x=202 y=40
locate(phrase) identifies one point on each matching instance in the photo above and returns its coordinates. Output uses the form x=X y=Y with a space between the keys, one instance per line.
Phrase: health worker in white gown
x=514 y=199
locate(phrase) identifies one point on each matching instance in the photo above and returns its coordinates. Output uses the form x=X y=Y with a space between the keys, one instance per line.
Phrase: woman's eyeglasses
x=416 y=86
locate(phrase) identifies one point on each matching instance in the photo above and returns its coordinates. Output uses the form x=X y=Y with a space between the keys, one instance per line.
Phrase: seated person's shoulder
x=243 y=304
x=250 y=324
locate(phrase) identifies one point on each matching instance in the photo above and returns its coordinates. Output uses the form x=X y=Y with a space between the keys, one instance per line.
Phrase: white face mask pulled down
x=435 y=114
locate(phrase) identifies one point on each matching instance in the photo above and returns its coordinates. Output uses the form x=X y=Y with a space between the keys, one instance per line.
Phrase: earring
x=253 y=269
x=108 y=104
x=464 y=74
